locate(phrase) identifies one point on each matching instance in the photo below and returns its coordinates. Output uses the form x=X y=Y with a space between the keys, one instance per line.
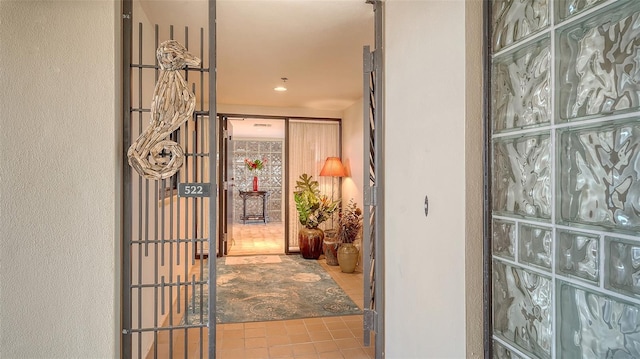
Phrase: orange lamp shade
x=333 y=168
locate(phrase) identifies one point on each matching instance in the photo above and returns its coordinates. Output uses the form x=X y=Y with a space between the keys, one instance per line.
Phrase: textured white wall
x=425 y=155
x=352 y=145
x=59 y=185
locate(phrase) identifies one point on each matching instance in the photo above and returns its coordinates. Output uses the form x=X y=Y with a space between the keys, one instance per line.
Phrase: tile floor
x=326 y=337
x=257 y=238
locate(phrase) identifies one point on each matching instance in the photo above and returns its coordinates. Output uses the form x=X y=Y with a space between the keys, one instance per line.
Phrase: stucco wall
x=426 y=155
x=59 y=170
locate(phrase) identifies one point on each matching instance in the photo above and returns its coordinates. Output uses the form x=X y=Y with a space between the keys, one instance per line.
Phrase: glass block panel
x=578 y=255
x=567 y=8
x=593 y=325
x=522 y=176
x=535 y=245
x=522 y=309
x=503 y=239
x=513 y=20
x=520 y=88
x=269 y=178
x=599 y=63
x=502 y=352
x=622 y=266
x=253 y=147
x=599 y=184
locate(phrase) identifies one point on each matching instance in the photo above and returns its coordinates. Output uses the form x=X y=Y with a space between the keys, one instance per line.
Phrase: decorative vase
x=255 y=183
x=330 y=247
x=310 y=242
x=347 y=257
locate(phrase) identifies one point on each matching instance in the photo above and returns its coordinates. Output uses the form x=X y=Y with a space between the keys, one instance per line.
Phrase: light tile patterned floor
x=257 y=238
x=327 y=337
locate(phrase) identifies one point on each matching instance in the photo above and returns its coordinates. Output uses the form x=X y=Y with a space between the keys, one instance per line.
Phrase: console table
x=264 y=195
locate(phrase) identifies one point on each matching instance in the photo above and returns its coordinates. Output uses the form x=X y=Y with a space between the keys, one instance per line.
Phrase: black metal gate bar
x=213 y=125
x=373 y=186
x=127 y=208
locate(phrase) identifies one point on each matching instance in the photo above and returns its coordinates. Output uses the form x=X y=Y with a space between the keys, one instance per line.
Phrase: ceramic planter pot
x=330 y=246
x=310 y=242
x=348 y=257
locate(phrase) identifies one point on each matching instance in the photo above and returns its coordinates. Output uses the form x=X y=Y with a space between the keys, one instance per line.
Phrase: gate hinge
x=126 y=331
x=224 y=237
x=367 y=60
x=370 y=319
x=126 y=16
x=370 y=196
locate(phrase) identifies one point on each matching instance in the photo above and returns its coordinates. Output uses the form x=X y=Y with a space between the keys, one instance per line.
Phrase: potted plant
x=313 y=209
x=348 y=229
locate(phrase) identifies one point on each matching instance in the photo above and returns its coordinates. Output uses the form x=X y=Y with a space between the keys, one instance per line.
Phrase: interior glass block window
x=522 y=309
x=622 y=267
x=564 y=123
x=535 y=246
x=599 y=64
x=514 y=20
x=504 y=237
x=567 y=8
x=600 y=183
x=502 y=352
x=522 y=176
x=520 y=90
x=270 y=178
x=578 y=255
x=595 y=325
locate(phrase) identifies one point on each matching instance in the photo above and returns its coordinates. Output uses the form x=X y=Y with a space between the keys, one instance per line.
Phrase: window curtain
x=310 y=143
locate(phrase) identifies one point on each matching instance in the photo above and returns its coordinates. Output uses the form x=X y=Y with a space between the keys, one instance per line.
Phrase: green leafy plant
x=350 y=223
x=313 y=207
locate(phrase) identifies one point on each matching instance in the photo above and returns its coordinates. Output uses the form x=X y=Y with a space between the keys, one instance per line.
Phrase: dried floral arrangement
x=350 y=223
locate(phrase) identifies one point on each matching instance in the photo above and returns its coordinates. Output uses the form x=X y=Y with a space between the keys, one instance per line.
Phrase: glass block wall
x=565 y=147
x=270 y=178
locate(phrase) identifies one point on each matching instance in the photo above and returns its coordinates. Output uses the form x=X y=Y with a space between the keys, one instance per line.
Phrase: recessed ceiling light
x=281 y=88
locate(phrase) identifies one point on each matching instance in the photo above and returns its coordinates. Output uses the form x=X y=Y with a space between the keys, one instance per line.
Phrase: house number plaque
x=194 y=190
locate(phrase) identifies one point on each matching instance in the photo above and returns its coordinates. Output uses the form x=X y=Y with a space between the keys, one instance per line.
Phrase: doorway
x=256 y=178
x=173 y=291
x=262 y=159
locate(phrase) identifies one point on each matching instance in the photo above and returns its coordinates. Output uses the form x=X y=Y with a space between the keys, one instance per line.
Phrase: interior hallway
x=325 y=337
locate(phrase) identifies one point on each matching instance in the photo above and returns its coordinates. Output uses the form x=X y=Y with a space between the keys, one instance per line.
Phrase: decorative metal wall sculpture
x=153 y=155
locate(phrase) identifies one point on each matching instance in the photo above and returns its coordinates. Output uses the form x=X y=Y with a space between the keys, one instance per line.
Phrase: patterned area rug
x=292 y=289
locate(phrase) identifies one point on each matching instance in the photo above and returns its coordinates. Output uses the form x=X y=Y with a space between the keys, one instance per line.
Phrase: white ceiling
x=256 y=128
x=316 y=44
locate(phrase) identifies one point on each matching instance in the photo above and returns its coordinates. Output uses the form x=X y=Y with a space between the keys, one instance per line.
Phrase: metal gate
x=373 y=209
x=167 y=225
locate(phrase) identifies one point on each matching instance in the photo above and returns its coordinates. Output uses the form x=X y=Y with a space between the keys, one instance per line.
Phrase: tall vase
x=310 y=242
x=255 y=183
x=347 y=257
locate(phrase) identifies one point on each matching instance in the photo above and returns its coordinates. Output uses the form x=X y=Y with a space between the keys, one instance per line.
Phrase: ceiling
x=316 y=44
